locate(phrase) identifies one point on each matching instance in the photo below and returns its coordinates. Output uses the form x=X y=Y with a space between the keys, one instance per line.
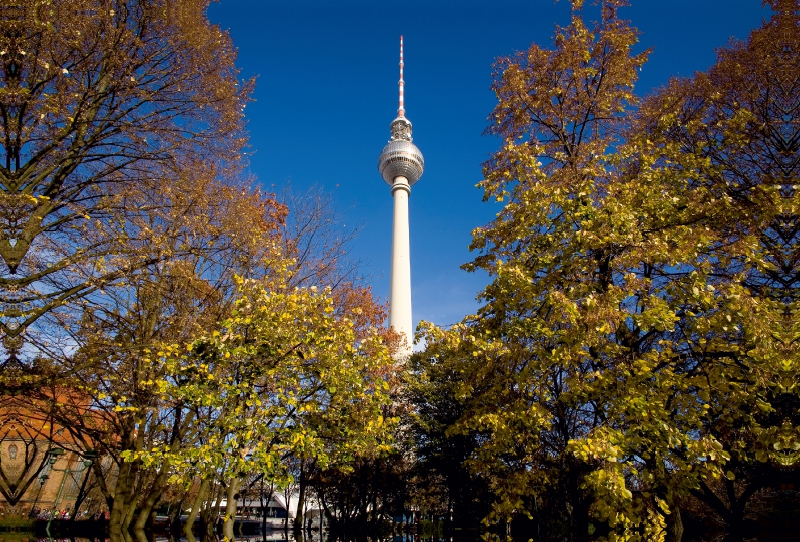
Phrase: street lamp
x=54 y=454
x=88 y=458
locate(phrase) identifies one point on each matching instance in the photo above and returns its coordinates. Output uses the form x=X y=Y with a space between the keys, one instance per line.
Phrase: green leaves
x=284 y=376
x=637 y=340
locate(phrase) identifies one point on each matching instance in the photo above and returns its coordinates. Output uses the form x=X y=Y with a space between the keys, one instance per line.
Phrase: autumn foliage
x=143 y=272
x=637 y=347
x=633 y=366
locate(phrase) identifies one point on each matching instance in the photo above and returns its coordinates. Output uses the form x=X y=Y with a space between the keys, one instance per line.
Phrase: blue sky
x=327 y=91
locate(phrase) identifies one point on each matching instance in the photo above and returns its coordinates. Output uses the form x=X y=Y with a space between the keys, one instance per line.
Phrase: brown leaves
x=567 y=101
x=100 y=102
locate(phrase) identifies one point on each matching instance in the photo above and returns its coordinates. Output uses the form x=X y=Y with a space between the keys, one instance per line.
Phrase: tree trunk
x=733 y=512
x=209 y=516
x=175 y=519
x=196 y=505
x=263 y=507
x=325 y=507
x=376 y=514
x=99 y=477
x=122 y=496
x=674 y=525
x=141 y=536
x=159 y=483
x=301 y=497
x=81 y=496
x=230 y=510
x=129 y=513
x=580 y=508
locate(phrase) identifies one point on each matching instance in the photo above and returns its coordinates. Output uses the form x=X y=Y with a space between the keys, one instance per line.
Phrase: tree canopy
x=637 y=344
x=156 y=305
x=104 y=106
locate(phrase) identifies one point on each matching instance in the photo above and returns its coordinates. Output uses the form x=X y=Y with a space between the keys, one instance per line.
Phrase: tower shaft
x=400 y=287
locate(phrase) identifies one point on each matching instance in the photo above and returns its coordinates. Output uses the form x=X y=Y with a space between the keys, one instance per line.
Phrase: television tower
x=401 y=165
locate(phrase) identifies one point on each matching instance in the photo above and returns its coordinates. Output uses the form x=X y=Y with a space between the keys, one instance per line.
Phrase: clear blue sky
x=327 y=91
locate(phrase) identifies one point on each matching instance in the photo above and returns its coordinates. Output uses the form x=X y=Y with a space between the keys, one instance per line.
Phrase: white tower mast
x=401 y=165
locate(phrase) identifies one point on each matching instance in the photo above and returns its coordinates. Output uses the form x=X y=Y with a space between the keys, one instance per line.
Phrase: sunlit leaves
x=638 y=337
x=282 y=377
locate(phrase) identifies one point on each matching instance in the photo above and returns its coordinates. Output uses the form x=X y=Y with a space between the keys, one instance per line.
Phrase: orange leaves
x=126 y=110
x=567 y=99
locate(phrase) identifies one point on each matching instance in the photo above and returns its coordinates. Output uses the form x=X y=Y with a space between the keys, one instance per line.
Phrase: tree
x=210 y=232
x=122 y=128
x=98 y=98
x=186 y=290
x=442 y=482
x=315 y=233
x=637 y=339
x=125 y=222
x=284 y=376
x=523 y=357
x=737 y=124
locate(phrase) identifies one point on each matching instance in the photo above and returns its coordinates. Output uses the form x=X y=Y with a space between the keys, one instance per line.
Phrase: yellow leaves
x=603 y=328
x=279 y=375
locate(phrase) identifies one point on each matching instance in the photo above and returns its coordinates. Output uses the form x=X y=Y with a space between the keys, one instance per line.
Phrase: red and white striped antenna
x=401 y=110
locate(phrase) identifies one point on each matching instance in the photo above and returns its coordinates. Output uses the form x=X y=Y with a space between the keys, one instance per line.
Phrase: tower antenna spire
x=401 y=110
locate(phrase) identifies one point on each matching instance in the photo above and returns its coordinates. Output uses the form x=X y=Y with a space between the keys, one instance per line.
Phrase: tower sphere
x=400 y=157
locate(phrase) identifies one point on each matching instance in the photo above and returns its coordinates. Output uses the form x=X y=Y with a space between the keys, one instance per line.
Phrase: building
x=39 y=458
